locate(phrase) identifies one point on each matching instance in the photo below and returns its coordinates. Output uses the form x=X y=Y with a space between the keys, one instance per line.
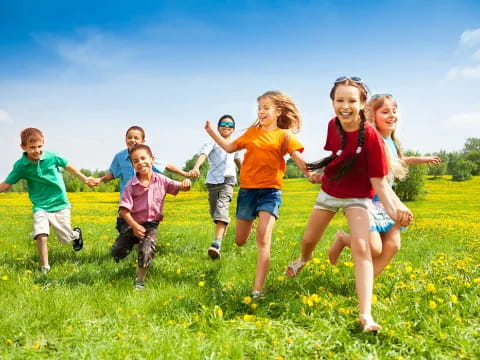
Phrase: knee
x=376 y=249
x=393 y=245
x=359 y=247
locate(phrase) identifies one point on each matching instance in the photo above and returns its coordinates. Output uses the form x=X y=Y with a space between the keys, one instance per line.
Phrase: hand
x=139 y=231
x=315 y=178
x=186 y=184
x=404 y=216
x=91 y=182
x=194 y=173
x=209 y=127
x=432 y=160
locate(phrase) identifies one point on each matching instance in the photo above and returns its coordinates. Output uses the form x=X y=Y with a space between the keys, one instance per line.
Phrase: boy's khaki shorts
x=59 y=220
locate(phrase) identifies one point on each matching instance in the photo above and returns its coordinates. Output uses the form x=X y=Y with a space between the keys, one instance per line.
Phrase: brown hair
x=138 y=128
x=141 y=147
x=348 y=163
x=30 y=134
x=289 y=117
x=399 y=170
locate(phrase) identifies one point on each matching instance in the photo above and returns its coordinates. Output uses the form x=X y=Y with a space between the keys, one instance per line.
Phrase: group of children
x=365 y=158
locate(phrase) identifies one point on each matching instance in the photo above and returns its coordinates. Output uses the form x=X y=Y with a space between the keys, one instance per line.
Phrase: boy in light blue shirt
x=46 y=189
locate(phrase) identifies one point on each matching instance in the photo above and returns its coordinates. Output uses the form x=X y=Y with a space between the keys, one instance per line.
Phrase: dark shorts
x=126 y=240
x=251 y=201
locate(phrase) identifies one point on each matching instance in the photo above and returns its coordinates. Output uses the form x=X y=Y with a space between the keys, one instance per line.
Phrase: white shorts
x=59 y=220
x=331 y=203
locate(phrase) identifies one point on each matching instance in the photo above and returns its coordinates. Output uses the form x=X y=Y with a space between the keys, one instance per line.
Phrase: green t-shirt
x=46 y=188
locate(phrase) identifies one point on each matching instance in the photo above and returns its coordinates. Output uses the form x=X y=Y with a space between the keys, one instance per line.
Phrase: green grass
x=193 y=308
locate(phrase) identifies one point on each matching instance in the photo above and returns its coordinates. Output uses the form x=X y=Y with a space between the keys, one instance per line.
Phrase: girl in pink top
x=354 y=171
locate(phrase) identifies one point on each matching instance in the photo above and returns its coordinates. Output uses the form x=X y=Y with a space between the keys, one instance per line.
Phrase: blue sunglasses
x=226 y=124
x=376 y=96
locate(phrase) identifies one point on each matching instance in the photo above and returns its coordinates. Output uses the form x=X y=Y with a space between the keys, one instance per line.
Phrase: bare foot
x=368 y=324
x=336 y=249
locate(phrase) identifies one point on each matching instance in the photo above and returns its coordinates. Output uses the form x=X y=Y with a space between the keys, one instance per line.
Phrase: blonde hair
x=398 y=168
x=289 y=117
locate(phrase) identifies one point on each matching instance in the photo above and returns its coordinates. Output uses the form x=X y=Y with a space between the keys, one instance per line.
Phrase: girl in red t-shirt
x=353 y=173
x=266 y=143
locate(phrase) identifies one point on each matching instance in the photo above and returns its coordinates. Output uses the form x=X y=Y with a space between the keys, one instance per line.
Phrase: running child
x=266 y=142
x=381 y=112
x=46 y=190
x=141 y=210
x=121 y=166
x=355 y=170
x=220 y=181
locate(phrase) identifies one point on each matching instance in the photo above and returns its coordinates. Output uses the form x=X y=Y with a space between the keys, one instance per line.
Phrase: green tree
x=463 y=170
x=413 y=186
x=439 y=169
x=292 y=170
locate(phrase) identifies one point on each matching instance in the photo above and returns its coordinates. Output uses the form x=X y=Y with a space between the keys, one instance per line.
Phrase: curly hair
x=398 y=169
x=289 y=117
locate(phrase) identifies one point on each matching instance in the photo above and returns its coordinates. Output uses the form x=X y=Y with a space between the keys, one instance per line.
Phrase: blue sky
x=85 y=71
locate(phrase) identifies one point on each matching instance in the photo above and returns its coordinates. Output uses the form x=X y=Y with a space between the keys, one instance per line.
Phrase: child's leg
x=242 y=231
x=358 y=222
x=318 y=222
x=266 y=221
x=220 y=229
x=147 y=248
x=42 y=249
x=342 y=239
x=391 y=245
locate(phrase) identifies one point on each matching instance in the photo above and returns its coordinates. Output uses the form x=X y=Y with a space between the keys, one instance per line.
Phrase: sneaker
x=45 y=269
x=139 y=285
x=78 y=243
x=256 y=295
x=214 y=251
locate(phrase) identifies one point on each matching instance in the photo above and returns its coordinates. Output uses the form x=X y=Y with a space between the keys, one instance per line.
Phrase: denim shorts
x=331 y=203
x=251 y=201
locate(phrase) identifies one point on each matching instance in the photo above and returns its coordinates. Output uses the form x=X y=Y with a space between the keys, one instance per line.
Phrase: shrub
x=463 y=170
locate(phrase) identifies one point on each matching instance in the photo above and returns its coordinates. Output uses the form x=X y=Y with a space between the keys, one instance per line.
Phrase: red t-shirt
x=370 y=163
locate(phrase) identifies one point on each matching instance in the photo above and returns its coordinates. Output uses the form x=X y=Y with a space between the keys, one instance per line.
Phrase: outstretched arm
x=86 y=179
x=417 y=160
x=300 y=162
x=176 y=170
x=4 y=186
x=195 y=172
x=224 y=144
x=392 y=204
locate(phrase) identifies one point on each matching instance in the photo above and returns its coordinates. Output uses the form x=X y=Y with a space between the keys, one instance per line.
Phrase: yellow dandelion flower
x=280 y=357
x=219 y=312
x=391 y=333
x=254 y=306
x=316 y=260
x=374 y=299
x=432 y=304
x=247 y=300
x=476 y=280
x=335 y=270
x=248 y=317
x=119 y=335
x=258 y=324
x=280 y=278
x=8 y=342
x=454 y=299
x=200 y=334
x=201 y=283
x=431 y=288
x=5 y=277
x=409 y=269
x=36 y=346
x=178 y=271
x=348 y=264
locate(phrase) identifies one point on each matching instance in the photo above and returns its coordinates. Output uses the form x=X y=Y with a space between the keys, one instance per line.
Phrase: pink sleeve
x=171 y=186
x=127 y=200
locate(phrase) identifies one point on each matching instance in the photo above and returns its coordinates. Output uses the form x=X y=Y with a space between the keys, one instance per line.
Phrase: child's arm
x=176 y=170
x=417 y=160
x=300 y=162
x=392 y=204
x=195 y=172
x=224 y=144
x=107 y=177
x=238 y=161
x=86 y=179
x=4 y=186
x=186 y=185
x=138 y=230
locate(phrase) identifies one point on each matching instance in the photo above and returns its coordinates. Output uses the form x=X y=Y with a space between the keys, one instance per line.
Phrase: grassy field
x=427 y=301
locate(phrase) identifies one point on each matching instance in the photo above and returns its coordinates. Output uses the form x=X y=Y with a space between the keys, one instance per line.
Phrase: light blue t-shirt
x=121 y=167
x=220 y=163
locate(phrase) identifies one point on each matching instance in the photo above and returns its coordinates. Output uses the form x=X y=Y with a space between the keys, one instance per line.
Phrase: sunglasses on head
x=355 y=79
x=376 y=96
x=226 y=124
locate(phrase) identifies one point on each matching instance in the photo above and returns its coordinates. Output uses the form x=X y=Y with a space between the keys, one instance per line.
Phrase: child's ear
x=24 y=148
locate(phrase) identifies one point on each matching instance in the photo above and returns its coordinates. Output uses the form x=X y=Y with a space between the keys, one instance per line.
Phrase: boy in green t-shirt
x=46 y=190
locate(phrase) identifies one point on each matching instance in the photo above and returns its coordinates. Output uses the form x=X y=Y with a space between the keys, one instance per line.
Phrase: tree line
x=461 y=165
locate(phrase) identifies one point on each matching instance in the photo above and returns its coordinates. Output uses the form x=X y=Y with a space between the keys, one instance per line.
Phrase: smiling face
x=226 y=127
x=142 y=162
x=34 y=148
x=133 y=138
x=347 y=105
x=386 y=118
x=267 y=114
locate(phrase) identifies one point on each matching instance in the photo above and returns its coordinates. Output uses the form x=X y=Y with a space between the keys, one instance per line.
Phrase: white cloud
x=465 y=120
x=464 y=72
x=5 y=117
x=470 y=38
